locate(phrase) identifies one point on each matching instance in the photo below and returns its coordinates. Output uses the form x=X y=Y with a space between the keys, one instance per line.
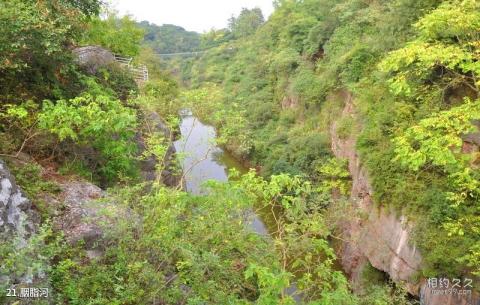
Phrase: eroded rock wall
x=377 y=236
x=374 y=234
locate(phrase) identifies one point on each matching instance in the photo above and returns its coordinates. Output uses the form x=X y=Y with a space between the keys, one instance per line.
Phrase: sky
x=193 y=15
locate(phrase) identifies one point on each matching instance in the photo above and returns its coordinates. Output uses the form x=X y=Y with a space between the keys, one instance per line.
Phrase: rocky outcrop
x=16 y=213
x=87 y=212
x=374 y=234
x=19 y=225
x=93 y=57
x=377 y=236
x=78 y=220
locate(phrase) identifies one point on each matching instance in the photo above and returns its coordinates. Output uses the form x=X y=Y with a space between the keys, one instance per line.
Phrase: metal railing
x=123 y=60
x=140 y=73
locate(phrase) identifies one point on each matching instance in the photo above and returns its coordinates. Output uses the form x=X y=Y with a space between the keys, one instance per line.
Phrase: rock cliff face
x=16 y=213
x=376 y=235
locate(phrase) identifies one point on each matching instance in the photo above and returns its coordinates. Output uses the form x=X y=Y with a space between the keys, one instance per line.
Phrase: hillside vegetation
x=272 y=88
x=412 y=67
x=169 y=38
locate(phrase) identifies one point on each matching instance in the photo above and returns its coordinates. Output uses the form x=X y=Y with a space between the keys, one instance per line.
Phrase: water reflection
x=202 y=160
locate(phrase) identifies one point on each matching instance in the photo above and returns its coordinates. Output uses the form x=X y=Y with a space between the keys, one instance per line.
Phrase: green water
x=203 y=160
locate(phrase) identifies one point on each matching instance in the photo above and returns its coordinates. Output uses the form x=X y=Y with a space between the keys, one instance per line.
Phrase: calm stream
x=203 y=160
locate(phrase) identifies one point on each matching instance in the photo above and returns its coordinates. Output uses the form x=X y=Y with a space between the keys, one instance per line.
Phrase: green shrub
x=29 y=179
x=361 y=62
x=121 y=35
x=77 y=167
x=345 y=127
x=308 y=87
x=102 y=123
x=119 y=80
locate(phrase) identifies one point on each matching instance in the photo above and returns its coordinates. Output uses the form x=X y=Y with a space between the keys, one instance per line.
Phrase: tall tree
x=246 y=23
x=169 y=38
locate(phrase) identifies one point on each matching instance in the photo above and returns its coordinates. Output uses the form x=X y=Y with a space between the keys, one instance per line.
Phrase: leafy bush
x=308 y=87
x=120 y=35
x=201 y=250
x=102 y=123
x=35 y=42
x=119 y=80
x=186 y=248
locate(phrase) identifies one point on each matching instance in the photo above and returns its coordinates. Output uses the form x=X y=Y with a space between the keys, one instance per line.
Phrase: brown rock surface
x=378 y=236
x=87 y=212
x=93 y=57
x=78 y=222
x=374 y=234
x=290 y=102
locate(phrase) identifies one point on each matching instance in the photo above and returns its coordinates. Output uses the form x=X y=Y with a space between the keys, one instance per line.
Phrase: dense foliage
x=198 y=250
x=246 y=23
x=412 y=67
x=33 y=37
x=169 y=38
x=119 y=35
x=408 y=70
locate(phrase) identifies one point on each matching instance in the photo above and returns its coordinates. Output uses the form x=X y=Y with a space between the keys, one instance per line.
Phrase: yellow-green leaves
x=271 y=285
x=453 y=20
x=448 y=40
x=334 y=175
x=437 y=139
x=100 y=122
x=416 y=62
x=120 y=35
x=30 y=31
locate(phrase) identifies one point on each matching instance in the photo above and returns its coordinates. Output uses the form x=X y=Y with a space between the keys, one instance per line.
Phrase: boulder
x=93 y=57
x=78 y=221
x=17 y=215
x=87 y=212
